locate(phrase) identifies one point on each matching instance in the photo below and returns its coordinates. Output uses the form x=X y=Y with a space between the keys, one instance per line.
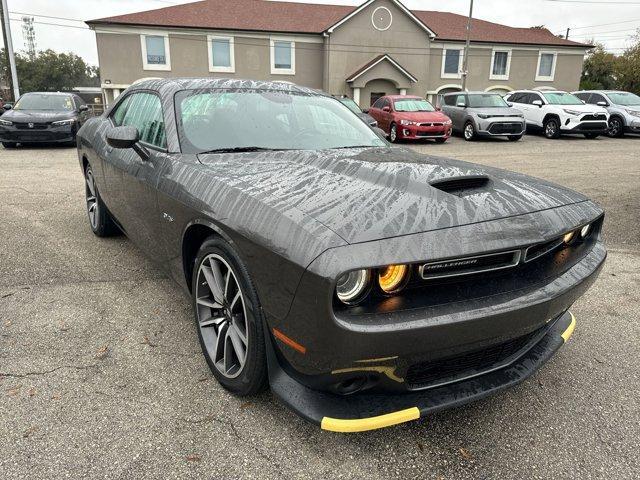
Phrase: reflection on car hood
x=374 y=193
x=25 y=116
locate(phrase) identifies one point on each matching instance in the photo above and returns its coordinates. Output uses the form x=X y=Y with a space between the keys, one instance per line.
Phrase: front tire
x=393 y=133
x=100 y=221
x=469 y=131
x=616 y=129
x=229 y=318
x=552 y=128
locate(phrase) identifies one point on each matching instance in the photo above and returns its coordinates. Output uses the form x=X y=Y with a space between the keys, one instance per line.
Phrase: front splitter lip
x=364 y=412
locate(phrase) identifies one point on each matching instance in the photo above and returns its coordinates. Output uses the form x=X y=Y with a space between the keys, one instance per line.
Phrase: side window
x=583 y=96
x=117 y=116
x=514 y=98
x=449 y=100
x=144 y=112
x=378 y=103
x=595 y=98
x=460 y=99
x=532 y=97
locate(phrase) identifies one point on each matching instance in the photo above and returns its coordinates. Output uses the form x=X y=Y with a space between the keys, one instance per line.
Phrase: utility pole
x=29 y=36
x=8 y=48
x=465 y=67
x=567 y=35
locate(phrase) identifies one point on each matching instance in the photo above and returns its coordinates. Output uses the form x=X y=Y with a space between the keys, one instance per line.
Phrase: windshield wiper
x=242 y=149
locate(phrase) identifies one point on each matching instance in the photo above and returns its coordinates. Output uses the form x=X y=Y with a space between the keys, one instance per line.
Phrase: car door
x=387 y=116
x=136 y=178
x=376 y=111
x=536 y=113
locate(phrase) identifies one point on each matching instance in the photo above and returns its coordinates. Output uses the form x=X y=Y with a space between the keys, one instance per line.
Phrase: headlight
x=484 y=116
x=635 y=113
x=447 y=122
x=393 y=278
x=575 y=113
x=407 y=122
x=61 y=123
x=353 y=286
x=585 y=231
x=6 y=123
x=569 y=237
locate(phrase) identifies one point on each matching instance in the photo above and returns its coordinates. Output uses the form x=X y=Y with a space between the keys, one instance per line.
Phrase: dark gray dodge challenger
x=367 y=285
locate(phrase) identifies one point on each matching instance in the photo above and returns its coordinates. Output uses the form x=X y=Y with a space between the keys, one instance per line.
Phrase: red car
x=411 y=118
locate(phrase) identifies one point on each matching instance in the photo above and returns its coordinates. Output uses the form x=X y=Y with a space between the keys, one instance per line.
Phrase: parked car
x=405 y=117
x=43 y=118
x=557 y=112
x=355 y=108
x=623 y=108
x=482 y=114
x=367 y=284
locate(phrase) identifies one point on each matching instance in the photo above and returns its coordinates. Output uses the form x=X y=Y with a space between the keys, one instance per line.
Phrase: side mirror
x=83 y=108
x=509 y=104
x=126 y=137
x=602 y=103
x=537 y=103
x=7 y=106
x=386 y=109
x=438 y=108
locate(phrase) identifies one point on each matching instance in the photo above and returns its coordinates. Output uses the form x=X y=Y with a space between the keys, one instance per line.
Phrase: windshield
x=353 y=106
x=490 y=100
x=562 y=98
x=38 y=101
x=624 y=98
x=413 y=105
x=264 y=119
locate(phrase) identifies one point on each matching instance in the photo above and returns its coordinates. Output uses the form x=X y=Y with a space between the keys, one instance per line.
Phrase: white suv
x=557 y=112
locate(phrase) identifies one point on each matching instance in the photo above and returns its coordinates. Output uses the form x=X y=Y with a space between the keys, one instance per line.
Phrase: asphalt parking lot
x=101 y=375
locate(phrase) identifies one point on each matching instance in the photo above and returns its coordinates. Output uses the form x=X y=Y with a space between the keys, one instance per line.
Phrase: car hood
x=583 y=108
x=25 y=116
x=375 y=193
x=497 y=112
x=422 y=116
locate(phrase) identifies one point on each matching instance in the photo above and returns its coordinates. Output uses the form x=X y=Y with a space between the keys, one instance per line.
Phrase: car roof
x=477 y=92
x=172 y=85
x=538 y=91
x=403 y=97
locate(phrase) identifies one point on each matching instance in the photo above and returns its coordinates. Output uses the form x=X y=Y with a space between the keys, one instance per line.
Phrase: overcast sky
x=611 y=22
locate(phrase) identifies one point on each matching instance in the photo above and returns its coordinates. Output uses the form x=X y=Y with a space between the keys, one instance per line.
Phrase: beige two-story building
x=380 y=47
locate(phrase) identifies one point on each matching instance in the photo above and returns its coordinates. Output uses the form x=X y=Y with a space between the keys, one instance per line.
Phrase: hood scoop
x=461 y=185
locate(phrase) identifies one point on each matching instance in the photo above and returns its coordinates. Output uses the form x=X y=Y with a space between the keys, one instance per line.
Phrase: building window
x=452 y=63
x=221 y=54
x=155 y=52
x=546 y=66
x=283 y=56
x=500 y=65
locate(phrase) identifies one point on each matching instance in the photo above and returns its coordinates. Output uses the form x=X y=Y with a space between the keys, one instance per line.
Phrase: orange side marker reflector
x=288 y=341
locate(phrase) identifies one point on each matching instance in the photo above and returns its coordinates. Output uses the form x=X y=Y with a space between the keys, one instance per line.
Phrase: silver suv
x=482 y=114
x=624 y=108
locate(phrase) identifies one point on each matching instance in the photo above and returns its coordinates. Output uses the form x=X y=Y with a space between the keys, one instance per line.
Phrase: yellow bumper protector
x=569 y=331
x=372 y=423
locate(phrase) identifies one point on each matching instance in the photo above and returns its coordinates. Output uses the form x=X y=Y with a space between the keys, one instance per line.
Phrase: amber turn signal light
x=568 y=237
x=393 y=278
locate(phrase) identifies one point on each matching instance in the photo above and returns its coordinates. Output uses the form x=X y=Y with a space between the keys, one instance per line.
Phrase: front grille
x=454 y=368
x=26 y=126
x=430 y=134
x=593 y=126
x=469 y=265
x=595 y=116
x=433 y=124
x=503 y=127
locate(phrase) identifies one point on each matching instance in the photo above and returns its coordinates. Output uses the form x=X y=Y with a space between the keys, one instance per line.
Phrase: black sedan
x=43 y=118
x=368 y=285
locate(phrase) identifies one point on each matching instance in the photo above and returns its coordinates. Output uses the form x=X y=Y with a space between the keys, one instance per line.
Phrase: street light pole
x=465 y=67
x=8 y=46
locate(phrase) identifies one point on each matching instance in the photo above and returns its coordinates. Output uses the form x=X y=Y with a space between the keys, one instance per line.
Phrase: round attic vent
x=381 y=18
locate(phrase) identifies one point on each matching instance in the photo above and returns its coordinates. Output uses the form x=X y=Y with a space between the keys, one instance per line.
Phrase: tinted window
x=379 y=103
x=583 y=96
x=595 y=98
x=450 y=100
x=532 y=97
x=516 y=97
x=144 y=112
x=210 y=120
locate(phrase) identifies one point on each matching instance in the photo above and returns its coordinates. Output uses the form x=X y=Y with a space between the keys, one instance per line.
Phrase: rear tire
x=552 y=128
x=9 y=144
x=514 y=138
x=229 y=327
x=100 y=221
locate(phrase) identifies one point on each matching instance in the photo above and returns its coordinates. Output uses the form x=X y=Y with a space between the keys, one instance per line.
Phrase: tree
x=628 y=68
x=50 y=71
x=598 y=71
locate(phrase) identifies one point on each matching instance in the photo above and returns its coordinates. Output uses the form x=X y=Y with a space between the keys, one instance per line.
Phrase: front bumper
x=633 y=126
x=50 y=134
x=420 y=132
x=600 y=127
x=364 y=412
x=504 y=127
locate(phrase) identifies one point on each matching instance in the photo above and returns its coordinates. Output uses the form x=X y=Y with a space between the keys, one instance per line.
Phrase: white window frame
x=444 y=59
x=212 y=67
x=272 y=50
x=167 y=52
x=542 y=78
x=493 y=59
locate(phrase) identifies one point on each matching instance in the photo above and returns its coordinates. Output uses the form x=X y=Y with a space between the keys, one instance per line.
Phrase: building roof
x=291 y=17
x=369 y=65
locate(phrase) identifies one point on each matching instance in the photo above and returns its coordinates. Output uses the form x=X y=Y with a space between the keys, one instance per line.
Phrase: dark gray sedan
x=482 y=114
